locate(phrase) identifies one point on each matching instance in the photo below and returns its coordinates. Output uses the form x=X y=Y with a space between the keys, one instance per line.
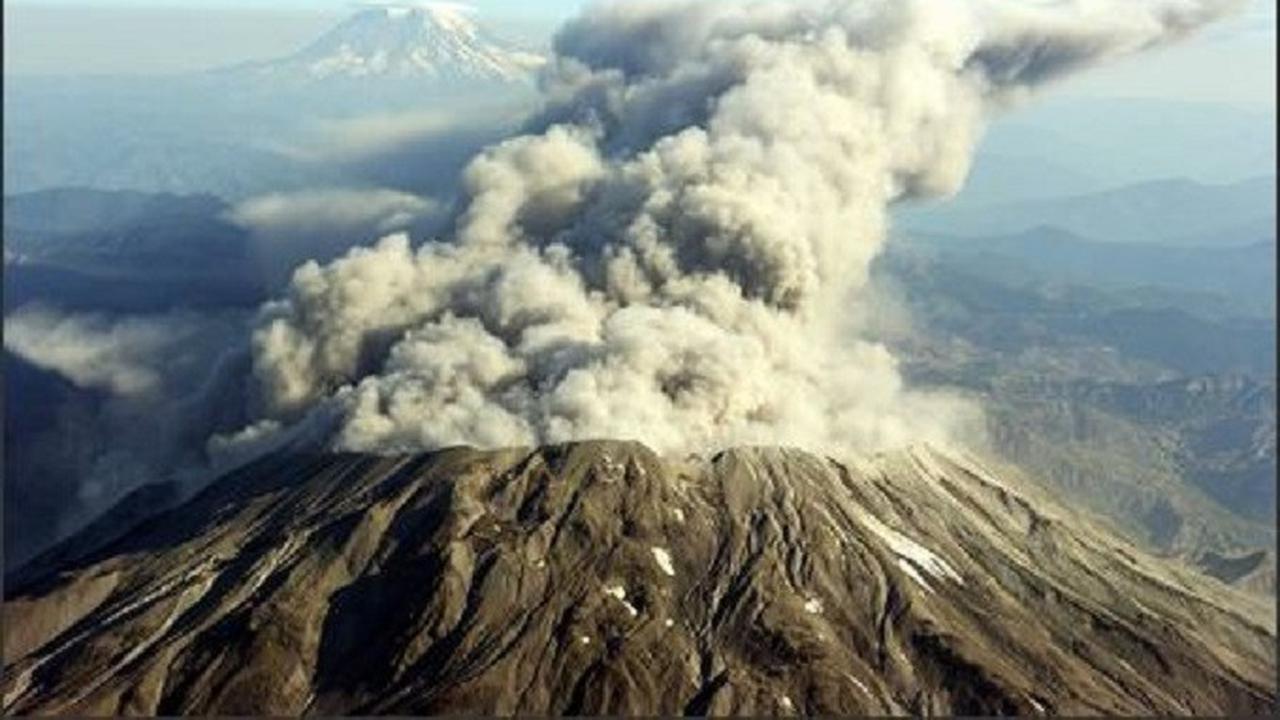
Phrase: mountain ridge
x=1171 y=211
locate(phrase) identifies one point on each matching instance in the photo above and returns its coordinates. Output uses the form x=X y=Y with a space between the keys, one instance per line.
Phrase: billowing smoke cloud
x=669 y=253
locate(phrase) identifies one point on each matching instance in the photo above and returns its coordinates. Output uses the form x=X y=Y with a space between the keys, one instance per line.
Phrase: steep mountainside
x=600 y=578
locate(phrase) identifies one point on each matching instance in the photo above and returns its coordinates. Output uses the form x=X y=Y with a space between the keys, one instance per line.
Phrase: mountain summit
x=431 y=41
x=599 y=577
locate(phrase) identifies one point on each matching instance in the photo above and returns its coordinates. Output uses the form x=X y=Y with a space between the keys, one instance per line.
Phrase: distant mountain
x=76 y=210
x=126 y=251
x=429 y=78
x=999 y=312
x=598 y=578
x=1226 y=426
x=129 y=251
x=1236 y=278
x=1168 y=212
x=1162 y=420
x=436 y=41
x=117 y=233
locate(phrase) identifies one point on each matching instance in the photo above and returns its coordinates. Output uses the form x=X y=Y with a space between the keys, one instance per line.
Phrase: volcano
x=598 y=577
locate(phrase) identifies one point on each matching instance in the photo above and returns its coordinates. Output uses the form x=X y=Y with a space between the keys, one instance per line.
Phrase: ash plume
x=670 y=251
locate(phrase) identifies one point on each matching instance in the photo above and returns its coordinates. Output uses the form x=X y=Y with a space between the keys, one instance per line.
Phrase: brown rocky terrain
x=599 y=578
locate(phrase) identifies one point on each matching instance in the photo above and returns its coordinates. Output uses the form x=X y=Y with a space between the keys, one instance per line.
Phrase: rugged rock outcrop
x=600 y=578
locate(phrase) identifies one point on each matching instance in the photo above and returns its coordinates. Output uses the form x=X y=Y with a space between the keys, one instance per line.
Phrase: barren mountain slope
x=600 y=578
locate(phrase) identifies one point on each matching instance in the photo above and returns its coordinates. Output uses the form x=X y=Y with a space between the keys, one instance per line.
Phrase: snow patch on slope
x=663 y=558
x=619 y=593
x=913 y=558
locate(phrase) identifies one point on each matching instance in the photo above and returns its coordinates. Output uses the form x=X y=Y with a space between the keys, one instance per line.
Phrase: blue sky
x=1233 y=62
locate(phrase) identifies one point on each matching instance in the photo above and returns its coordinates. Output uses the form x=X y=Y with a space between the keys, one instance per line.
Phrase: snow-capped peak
x=431 y=40
x=451 y=17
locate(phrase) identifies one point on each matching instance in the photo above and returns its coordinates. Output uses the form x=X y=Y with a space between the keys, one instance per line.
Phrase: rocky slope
x=600 y=578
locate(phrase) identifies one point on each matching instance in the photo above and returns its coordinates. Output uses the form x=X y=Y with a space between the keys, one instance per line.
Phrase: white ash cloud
x=671 y=251
x=382 y=209
x=127 y=356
